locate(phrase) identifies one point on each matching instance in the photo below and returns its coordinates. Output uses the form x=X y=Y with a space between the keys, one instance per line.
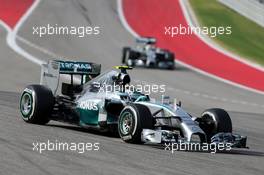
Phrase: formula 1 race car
x=146 y=54
x=105 y=102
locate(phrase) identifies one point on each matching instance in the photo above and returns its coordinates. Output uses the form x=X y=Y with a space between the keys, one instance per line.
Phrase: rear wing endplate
x=50 y=72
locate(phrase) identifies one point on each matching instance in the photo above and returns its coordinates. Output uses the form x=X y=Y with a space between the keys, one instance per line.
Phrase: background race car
x=146 y=54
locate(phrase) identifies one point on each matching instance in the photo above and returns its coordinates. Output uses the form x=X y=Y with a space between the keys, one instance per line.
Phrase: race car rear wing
x=146 y=40
x=50 y=72
x=80 y=68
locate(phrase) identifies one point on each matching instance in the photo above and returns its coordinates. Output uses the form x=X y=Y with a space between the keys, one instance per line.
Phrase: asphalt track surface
x=197 y=93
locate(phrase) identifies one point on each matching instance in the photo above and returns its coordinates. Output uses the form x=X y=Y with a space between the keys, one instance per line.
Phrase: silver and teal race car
x=94 y=101
x=146 y=54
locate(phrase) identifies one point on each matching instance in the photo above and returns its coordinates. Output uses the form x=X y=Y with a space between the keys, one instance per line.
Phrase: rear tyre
x=36 y=104
x=132 y=120
x=214 y=121
x=172 y=66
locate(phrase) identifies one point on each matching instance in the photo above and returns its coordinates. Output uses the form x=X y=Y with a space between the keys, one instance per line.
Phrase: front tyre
x=36 y=104
x=132 y=120
x=215 y=121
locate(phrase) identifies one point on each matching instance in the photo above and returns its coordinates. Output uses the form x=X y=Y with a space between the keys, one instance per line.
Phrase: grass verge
x=247 y=38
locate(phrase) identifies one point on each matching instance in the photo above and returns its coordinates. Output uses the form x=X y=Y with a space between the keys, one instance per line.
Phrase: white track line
x=135 y=34
x=11 y=37
x=123 y=19
x=8 y=29
x=39 y=48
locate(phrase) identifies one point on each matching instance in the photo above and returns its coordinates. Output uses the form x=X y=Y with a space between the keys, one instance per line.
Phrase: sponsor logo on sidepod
x=88 y=105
